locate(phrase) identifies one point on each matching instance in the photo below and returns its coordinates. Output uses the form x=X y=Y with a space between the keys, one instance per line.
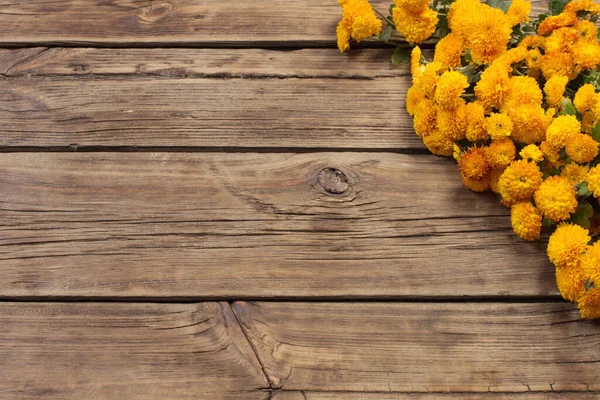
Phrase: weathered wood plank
x=243 y=225
x=306 y=395
x=173 y=22
x=295 y=112
x=217 y=63
x=424 y=347
x=117 y=351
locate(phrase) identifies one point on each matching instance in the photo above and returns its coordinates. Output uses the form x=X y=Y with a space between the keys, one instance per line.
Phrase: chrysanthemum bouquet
x=515 y=102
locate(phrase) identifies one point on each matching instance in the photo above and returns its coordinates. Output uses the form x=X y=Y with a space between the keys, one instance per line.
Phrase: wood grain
x=175 y=112
x=174 y=22
x=243 y=225
x=117 y=351
x=307 y=395
x=213 y=63
x=424 y=347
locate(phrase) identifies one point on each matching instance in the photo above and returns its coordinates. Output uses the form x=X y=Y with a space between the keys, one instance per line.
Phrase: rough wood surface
x=172 y=112
x=174 y=22
x=306 y=395
x=118 y=351
x=244 y=225
x=216 y=63
x=424 y=347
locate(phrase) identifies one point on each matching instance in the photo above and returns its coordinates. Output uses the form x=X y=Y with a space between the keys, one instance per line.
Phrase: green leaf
x=542 y=17
x=582 y=190
x=392 y=6
x=596 y=133
x=582 y=215
x=501 y=4
x=441 y=29
x=556 y=6
x=386 y=34
x=568 y=107
x=547 y=222
x=401 y=55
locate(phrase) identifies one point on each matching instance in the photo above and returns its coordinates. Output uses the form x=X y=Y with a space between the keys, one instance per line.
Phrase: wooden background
x=203 y=199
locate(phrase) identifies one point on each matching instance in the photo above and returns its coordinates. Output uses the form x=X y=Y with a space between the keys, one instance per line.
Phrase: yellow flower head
x=561 y=40
x=561 y=129
x=453 y=123
x=589 y=304
x=585 y=98
x=526 y=220
x=566 y=245
x=519 y=181
x=530 y=124
x=476 y=130
x=554 y=90
x=581 y=148
x=531 y=152
x=593 y=181
x=425 y=117
x=570 y=283
x=582 y=5
x=590 y=264
x=519 y=12
x=477 y=185
x=556 y=198
x=411 y=5
x=493 y=86
x=522 y=90
x=500 y=153
x=587 y=30
x=450 y=87
x=557 y=21
x=414 y=96
x=449 y=50
x=358 y=22
x=473 y=163
x=415 y=60
x=489 y=34
x=575 y=173
x=428 y=78
x=586 y=55
x=498 y=126
x=558 y=63
x=438 y=143
x=532 y=60
x=415 y=26
x=551 y=153
x=461 y=15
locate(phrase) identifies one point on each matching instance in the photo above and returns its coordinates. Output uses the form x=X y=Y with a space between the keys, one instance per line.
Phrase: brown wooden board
x=247 y=225
x=306 y=395
x=423 y=347
x=119 y=351
x=174 y=22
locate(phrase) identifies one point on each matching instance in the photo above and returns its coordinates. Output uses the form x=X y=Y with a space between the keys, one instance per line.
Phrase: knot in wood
x=333 y=181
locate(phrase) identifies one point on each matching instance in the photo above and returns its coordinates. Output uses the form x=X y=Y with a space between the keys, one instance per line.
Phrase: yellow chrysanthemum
x=558 y=63
x=588 y=122
x=453 y=123
x=358 y=22
x=500 y=153
x=415 y=60
x=589 y=304
x=586 y=55
x=519 y=181
x=585 y=98
x=556 y=198
x=593 y=181
x=414 y=96
x=531 y=152
x=587 y=30
x=530 y=124
x=449 y=50
x=590 y=264
x=365 y=26
x=477 y=185
x=522 y=90
x=561 y=40
x=425 y=117
x=518 y=12
x=581 y=148
x=489 y=34
x=570 y=283
x=498 y=125
x=526 y=220
x=574 y=173
x=461 y=15
x=561 y=129
x=415 y=26
x=411 y=5
x=551 y=153
x=438 y=143
x=428 y=78
x=476 y=130
x=450 y=87
x=556 y=21
x=473 y=163
x=582 y=5
x=554 y=90
x=566 y=245
x=493 y=86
